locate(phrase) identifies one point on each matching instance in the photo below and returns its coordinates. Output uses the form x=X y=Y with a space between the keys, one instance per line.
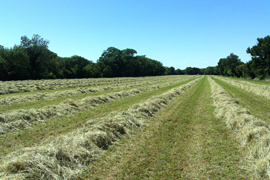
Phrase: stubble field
x=168 y=127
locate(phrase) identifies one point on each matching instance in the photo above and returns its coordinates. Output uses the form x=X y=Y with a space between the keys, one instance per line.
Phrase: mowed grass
x=74 y=88
x=183 y=141
x=56 y=101
x=261 y=82
x=61 y=125
x=259 y=106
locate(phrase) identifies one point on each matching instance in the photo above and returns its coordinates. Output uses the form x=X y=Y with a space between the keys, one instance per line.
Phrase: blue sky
x=179 y=33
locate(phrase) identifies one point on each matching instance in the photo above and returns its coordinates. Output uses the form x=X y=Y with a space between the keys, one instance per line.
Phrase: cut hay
x=7 y=87
x=66 y=156
x=23 y=118
x=252 y=133
x=66 y=93
x=261 y=90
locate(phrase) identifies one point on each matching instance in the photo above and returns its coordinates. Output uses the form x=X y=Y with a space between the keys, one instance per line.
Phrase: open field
x=261 y=89
x=169 y=127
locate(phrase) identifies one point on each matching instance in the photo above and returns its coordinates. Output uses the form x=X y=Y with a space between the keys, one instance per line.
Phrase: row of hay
x=261 y=90
x=252 y=133
x=7 y=87
x=23 y=118
x=66 y=156
x=46 y=96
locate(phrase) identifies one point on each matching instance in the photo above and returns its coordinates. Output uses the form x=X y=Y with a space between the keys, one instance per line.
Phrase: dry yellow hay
x=22 y=118
x=252 y=133
x=7 y=87
x=261 y=90
x=66 y=93
x=65 y=157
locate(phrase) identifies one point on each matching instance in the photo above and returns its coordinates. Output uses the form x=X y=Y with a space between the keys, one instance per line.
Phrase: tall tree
x=113 y=57
x=226 y=66
x=260 y=62
x=14 y=63
x=39 y=55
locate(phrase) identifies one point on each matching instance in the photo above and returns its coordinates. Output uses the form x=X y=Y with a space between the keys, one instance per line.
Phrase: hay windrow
x=65 y=157
x=252 y=133
x=7 y=87
x=35 y=85
x=261 y=90
x=23 y=118
x=66 y=93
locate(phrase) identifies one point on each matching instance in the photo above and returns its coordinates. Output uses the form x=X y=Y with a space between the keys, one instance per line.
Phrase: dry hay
x=65 y=157
x=261 y=90
x=23 y=118
x=7 y=87
x=252 y=133
x=66 y=93
x=35 y=85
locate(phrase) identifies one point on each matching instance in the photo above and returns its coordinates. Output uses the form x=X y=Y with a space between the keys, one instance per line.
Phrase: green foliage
x=226 y=66
x=260 y=62
x=14 y=63
x=210 y=70
x=123 y=63
x=192 y=71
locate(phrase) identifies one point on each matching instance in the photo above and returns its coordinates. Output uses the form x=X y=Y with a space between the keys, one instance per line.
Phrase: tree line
x=33 y=60
x=257 y=67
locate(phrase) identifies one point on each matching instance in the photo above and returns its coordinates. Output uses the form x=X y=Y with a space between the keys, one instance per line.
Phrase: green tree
x=92 y=71
x=3 y=69
x=14 y=63
x=260 y=60
x=192 y=71
x=210 y=70
x=226 y=66
x=39 y=55
x=113 y=57
x=179 y=72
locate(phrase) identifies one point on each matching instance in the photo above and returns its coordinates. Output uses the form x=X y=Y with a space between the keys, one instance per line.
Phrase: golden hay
x=22 y=118
x=66 y=93
x=36 y=85
x=251 y=132
x=261 y=90
x=65 y=157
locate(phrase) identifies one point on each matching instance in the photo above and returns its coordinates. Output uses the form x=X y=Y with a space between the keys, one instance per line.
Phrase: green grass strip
x=259 y=106
x=183 y=141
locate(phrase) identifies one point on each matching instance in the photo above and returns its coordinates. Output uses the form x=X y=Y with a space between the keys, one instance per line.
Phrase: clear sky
x=179 y=33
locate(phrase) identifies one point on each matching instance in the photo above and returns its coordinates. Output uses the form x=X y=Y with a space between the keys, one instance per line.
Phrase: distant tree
x=3 y=69
x=113 y=57
x=210 y=70
x=38 y=53
x=192 y=71
x=179 y=72
x=243 y=71
x=14 y=63
x=92 y=71
x=170 y=70
x=128 y=60
x=260 y=62
x=226 y=66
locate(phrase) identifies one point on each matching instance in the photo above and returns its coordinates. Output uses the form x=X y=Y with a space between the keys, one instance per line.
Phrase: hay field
x=169 y=127
x=261 y=90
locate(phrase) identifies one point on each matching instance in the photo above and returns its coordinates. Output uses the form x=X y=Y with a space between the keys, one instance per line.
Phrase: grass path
x=259 y=106
x=62 y=125
x=183 y=141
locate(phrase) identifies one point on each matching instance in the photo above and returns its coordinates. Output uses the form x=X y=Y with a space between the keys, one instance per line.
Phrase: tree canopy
x=32 y=59
x=260 y=60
